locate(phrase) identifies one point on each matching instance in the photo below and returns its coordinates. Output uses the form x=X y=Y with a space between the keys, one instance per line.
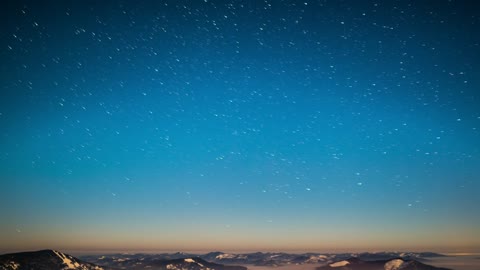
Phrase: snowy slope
x=44 y=260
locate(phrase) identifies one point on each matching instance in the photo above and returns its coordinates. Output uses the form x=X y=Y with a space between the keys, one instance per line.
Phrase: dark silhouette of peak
x=47 y=259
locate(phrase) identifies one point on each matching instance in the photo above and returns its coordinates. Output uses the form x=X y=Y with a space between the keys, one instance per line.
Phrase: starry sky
x=239 y=125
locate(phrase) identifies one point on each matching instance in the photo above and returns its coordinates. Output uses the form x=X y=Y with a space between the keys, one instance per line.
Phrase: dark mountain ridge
x=55 y=260
x=44 y=260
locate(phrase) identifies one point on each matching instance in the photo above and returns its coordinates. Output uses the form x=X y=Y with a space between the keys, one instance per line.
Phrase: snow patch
x=189 y=260
x=394 y=264
x=232 y=256
x=316 y=259
x=225 y=256
x=339 y=264
x=13 y=265
x=70 y=264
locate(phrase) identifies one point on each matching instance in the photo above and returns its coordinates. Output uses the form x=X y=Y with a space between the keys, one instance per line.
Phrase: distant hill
x=393 y=264
x=160 y=262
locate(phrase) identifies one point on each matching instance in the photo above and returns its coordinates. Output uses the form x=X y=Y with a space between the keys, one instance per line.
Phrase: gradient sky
x=240 y=125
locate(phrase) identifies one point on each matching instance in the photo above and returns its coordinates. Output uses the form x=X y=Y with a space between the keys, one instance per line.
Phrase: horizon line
x=203 y=252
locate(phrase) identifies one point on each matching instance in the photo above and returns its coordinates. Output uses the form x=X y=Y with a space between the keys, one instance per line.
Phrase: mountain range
x=53 y=260
x=258 y=258
x=393 y=264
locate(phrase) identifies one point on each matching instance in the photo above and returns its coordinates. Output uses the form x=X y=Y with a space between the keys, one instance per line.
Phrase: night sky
x=240 y=125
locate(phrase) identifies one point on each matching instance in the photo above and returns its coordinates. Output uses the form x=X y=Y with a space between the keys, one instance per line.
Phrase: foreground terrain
x=52 y=259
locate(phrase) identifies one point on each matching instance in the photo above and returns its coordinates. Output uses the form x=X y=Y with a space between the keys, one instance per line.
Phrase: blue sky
x=265 y=125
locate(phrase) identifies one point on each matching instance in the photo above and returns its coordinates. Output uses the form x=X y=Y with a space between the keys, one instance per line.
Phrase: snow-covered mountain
x=44 y=260
x=127 y=261
x=55 y=260
x=266 y=259
x=193 y=263
x=160 y=261
x=392 y=264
